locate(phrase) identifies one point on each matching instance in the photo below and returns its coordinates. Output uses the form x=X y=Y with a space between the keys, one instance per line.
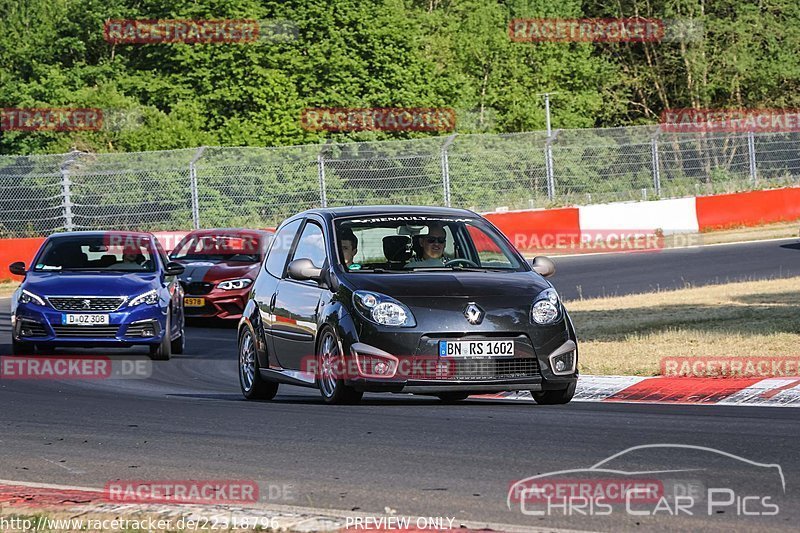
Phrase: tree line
x=453 y=54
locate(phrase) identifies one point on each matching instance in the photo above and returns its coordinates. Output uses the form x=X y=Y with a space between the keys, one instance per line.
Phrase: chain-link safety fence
x=259 y=187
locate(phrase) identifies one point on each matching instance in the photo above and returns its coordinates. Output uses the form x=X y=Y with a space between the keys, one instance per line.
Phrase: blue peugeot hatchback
x=99 y=289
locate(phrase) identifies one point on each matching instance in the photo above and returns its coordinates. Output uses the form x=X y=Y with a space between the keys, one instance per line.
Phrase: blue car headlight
x=148 y=298
x=27 y=297
x=383 y=310
x=546 y=308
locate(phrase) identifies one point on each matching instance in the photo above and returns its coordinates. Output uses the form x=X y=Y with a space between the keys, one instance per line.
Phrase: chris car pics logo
x=668 y=480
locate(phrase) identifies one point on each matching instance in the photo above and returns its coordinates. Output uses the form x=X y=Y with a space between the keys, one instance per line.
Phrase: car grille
x=199 y=311
x=135 y=330
x=30 y=328
x=197 y=287
x=477 y=369
x=79 y=303
x=231 y=308
x=106 y=332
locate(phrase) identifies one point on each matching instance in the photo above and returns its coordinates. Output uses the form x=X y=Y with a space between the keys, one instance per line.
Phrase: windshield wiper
x=380 y=271
x=479 y=269
x=458 y=269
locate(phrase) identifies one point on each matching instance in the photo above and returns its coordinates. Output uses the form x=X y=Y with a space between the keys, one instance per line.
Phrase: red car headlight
x=234 y=284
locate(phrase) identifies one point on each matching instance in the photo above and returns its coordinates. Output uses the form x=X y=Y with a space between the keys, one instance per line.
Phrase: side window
x=490 y=253
x=311 y=245
x=279 y=251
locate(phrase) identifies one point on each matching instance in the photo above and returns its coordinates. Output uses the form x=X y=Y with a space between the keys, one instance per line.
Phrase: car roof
x=366 y=210
x=98 y=233
x=230 y=231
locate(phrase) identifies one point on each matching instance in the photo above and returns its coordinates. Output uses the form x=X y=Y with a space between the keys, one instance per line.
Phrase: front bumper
x=43 y=326
x=226 y=305
x=430 y=373
x=428 y=387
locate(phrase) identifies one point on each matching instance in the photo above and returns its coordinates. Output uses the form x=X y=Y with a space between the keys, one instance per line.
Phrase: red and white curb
x=82 y=503
x=771 y=392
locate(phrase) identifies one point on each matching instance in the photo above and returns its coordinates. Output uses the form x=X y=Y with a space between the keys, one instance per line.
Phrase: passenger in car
x=131 y=260
x=349 y=244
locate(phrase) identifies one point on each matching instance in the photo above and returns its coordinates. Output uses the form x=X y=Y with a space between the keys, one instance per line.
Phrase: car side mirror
x=174 y=269
x=543 y=265
x=304 y=270
x=17 y=268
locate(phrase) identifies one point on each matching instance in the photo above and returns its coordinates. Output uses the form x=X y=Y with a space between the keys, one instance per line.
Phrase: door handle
x=272 y=301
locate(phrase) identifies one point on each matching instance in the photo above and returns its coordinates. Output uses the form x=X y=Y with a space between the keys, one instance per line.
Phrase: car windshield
x=415 y=243
x=238 y=248
x=111 y=252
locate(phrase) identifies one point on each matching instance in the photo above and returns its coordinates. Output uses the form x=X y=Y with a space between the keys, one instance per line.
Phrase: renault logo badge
x=474 y=314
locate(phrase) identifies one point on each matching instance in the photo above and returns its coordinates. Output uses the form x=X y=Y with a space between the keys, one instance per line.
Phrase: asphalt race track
x=406 y=453
x=614 y=274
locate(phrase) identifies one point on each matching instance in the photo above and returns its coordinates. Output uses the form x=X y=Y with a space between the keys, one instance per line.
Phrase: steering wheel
x=461 y=260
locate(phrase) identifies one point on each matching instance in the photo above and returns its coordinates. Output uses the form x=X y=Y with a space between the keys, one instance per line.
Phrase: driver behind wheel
x=430 y=249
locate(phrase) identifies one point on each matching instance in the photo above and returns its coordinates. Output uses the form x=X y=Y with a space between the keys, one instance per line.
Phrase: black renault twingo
x=400 y=299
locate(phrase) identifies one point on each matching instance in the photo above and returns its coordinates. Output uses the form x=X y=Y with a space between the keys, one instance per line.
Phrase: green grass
x=629 y=335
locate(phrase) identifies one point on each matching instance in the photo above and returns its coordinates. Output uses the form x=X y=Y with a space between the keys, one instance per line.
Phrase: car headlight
x=383 y=310
x=234 y=284
x=546 y=308
x=149 y=298
x=27 y=297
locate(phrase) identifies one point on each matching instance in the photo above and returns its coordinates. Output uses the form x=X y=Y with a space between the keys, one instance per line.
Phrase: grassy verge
x=629 y=335
x=7 y=287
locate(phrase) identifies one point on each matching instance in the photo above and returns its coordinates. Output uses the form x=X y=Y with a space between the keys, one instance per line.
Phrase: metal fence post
x=548 y=165
x=446 y=168
x=193 y=184
x=323 y=194
x=66 y=193
x=751 y=150
x=656 y=162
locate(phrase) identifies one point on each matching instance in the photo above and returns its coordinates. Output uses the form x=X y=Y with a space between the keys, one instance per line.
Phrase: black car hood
x=450 y=284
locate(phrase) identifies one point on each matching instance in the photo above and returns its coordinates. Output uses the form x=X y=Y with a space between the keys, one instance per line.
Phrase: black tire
x=554 y=397
x=179 y=342
x=163 y=351
x=452 y=397
x=22 y=348
x=253 y=386
x=331 y=386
